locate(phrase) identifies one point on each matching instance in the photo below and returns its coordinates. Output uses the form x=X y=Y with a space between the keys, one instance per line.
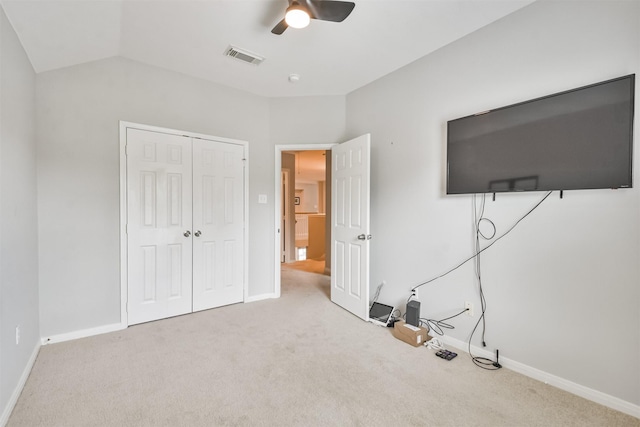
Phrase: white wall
x=18 y=230
x=78 y=114
x=309 y=197
x=562 y=289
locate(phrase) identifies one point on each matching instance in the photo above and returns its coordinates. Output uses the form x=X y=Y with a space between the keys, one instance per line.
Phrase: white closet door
x=159 y=225
x=218 y=224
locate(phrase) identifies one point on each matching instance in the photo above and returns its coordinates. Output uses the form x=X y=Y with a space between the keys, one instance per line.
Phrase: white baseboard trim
x=260 y=297
x=18 y=390
x=83 y=333
x=553 y=380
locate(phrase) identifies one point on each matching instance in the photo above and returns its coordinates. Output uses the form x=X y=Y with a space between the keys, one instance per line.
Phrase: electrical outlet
x=415 y=294
x=469 y=308
x=17 y=334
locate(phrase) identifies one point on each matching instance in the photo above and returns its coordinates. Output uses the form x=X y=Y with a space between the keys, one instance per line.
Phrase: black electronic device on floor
x=446 y=354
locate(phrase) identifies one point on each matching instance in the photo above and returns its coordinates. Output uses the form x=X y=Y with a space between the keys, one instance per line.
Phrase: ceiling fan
x=300 y=12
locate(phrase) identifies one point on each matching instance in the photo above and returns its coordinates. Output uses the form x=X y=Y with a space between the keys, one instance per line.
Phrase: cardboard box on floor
x=416 y=336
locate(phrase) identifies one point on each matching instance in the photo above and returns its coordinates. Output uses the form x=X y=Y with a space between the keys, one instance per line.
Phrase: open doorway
x=348 y=234
x=303 y=211
x=305 y=224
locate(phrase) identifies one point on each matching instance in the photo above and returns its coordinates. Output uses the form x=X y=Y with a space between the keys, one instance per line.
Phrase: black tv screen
x=578 y=139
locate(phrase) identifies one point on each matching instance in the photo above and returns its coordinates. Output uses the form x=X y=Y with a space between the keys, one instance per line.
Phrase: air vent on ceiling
x=243 y=55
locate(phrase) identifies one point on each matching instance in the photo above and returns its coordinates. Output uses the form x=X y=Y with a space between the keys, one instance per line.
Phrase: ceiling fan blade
x=327 y=10
x=280 y=27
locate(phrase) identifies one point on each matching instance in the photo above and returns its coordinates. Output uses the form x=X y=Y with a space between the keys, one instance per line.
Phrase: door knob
x=364 y=237
x=197 y=233
x=187 y=233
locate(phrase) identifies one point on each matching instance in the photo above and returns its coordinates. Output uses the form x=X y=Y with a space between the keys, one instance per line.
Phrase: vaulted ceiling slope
x=191 y=37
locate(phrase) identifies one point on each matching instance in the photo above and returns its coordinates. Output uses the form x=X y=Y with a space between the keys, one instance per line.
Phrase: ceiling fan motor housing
x=305 y=10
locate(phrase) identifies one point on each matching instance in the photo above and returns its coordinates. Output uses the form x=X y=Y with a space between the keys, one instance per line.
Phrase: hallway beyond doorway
x=309 y=265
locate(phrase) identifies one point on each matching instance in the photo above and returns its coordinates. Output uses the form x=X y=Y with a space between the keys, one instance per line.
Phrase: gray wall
x=564 y=281
x=18 y=216
x=307 y=120
x=562 y=288
x=78 y=112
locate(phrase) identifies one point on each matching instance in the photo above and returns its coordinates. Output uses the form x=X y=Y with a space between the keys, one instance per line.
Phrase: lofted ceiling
x=191 y=37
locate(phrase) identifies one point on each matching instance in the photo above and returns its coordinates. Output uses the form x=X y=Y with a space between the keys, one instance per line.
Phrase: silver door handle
x=187 y=233
x=364 y=237
x=197 y=233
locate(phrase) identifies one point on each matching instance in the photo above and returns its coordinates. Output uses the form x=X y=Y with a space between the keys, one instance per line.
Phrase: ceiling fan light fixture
x=297 y=16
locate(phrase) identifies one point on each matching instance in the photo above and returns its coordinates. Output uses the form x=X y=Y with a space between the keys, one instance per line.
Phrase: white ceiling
x=190 y=37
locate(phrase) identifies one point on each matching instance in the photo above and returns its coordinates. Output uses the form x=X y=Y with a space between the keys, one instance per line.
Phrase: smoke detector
x=243 y=55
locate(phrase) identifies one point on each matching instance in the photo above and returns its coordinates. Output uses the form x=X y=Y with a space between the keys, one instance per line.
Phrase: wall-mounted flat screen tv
x=578 y=139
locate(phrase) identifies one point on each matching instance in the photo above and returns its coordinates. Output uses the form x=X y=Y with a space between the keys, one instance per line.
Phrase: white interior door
x=218 y=224
x=350 y=225
x=158 y=225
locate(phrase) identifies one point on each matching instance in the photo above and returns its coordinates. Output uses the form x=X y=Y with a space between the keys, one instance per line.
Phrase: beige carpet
x=309 y=265
x=296 y=361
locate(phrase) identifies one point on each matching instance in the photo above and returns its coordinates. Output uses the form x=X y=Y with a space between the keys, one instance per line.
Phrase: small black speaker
x=413 y=313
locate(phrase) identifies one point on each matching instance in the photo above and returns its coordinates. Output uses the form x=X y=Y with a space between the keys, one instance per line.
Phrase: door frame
x=284 y=201
x=278 y=194
x=124 y=284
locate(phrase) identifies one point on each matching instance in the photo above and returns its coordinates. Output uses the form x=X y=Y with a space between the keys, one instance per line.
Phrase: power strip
x=446 y=354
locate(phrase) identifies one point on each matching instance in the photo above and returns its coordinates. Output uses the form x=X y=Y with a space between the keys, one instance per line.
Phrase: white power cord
x=434 y=344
